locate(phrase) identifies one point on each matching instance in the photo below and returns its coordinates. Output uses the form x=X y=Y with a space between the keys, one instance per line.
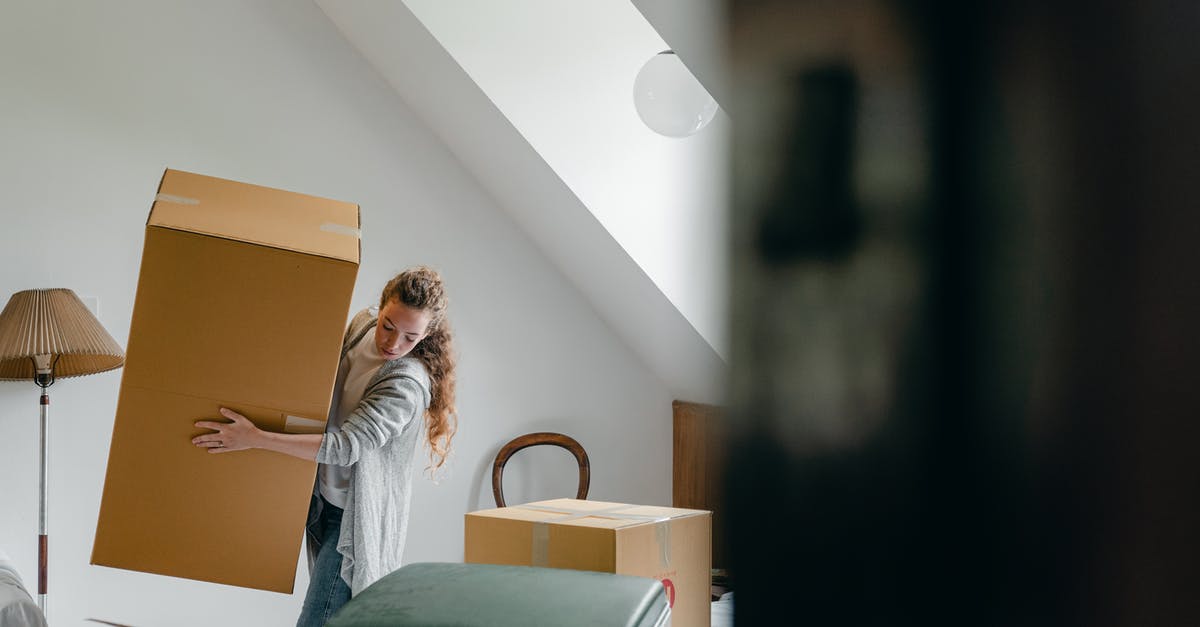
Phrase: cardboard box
x=669 y=544
x=242 y=302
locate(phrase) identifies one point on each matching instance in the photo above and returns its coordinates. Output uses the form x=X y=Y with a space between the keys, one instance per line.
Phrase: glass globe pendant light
x=669 y=99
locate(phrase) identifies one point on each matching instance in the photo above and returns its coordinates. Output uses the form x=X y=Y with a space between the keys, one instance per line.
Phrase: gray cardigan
x=379 y=442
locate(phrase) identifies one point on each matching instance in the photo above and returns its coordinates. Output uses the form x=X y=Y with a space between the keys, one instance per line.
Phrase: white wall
x=97 y=98
x=563 y=73
x=478 y=134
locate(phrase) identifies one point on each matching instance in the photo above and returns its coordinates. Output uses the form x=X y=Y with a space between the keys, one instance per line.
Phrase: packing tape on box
x=328 y=227
x=341 y=229
x=540 y=554
x=179 y=200
x=540 y=551
x=297 y=424
x=662 y=529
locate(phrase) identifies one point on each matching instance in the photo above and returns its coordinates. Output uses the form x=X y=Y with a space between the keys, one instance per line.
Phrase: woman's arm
x=241 y=434
x=380 y=416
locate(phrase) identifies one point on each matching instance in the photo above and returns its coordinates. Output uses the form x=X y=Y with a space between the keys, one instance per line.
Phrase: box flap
x=599 y=514
x=256 y=214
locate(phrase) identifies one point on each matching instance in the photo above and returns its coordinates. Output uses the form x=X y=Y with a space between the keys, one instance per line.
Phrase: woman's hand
x=239 y=435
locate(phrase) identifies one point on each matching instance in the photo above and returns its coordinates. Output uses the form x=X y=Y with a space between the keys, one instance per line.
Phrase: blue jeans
x=327 y=591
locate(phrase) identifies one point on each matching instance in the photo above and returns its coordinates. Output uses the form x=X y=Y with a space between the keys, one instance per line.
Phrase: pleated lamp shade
x=56 y=323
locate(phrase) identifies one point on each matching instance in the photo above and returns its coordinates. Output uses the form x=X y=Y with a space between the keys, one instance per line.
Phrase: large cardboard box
x=242 y=302
x=669 y=544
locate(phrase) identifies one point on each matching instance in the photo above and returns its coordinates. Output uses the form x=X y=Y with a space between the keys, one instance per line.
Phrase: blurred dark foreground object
x=965 y=351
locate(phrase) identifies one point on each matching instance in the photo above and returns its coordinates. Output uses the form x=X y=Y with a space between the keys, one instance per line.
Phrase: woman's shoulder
x=364 y=317
x=407 y=368
x=360 y=321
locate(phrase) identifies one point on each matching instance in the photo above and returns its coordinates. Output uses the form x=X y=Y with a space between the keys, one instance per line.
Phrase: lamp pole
x=44 y=367
x=43 y=537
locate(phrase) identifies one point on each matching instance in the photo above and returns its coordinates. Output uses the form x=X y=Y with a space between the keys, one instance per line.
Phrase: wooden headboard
x=698 y=466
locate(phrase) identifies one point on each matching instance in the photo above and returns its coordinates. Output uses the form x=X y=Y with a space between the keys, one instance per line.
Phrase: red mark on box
x=670 y=588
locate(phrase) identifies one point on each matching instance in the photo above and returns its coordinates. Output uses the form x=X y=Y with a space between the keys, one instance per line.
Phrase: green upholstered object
x=467 y=595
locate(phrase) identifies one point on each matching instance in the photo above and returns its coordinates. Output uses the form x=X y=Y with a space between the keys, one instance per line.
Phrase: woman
x=397 y=367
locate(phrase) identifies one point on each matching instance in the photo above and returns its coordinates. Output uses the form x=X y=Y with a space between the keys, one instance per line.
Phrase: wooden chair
x=535 y=439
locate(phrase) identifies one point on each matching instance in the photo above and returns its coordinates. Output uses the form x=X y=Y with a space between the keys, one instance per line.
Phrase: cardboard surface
x=255 y=214
x=669 y=544
x=237 y=306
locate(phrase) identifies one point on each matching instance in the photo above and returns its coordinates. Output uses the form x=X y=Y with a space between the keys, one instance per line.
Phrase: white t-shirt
x=360 y=364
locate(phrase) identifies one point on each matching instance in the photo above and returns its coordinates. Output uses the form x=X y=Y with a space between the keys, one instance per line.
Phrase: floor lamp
x=47 y=335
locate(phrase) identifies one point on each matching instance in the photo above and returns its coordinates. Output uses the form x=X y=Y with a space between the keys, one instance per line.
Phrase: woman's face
x=400 y=328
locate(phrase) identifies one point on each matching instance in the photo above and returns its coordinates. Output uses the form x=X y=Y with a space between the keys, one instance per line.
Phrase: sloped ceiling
x=693 y=29
x=429 y=79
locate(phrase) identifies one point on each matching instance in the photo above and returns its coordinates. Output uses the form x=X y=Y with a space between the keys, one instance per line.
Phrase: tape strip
x=662 y=532
x=328 y=227
x=540 y=551
x=540 y=554
x=179 y=200
x=604 y=512
x=296 y=424
x=341 y=229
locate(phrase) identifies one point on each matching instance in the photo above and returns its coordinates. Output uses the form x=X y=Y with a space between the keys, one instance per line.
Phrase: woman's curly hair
x=421 y=288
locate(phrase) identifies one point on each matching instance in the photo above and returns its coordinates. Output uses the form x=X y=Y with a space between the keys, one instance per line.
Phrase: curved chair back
x=535 y=439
